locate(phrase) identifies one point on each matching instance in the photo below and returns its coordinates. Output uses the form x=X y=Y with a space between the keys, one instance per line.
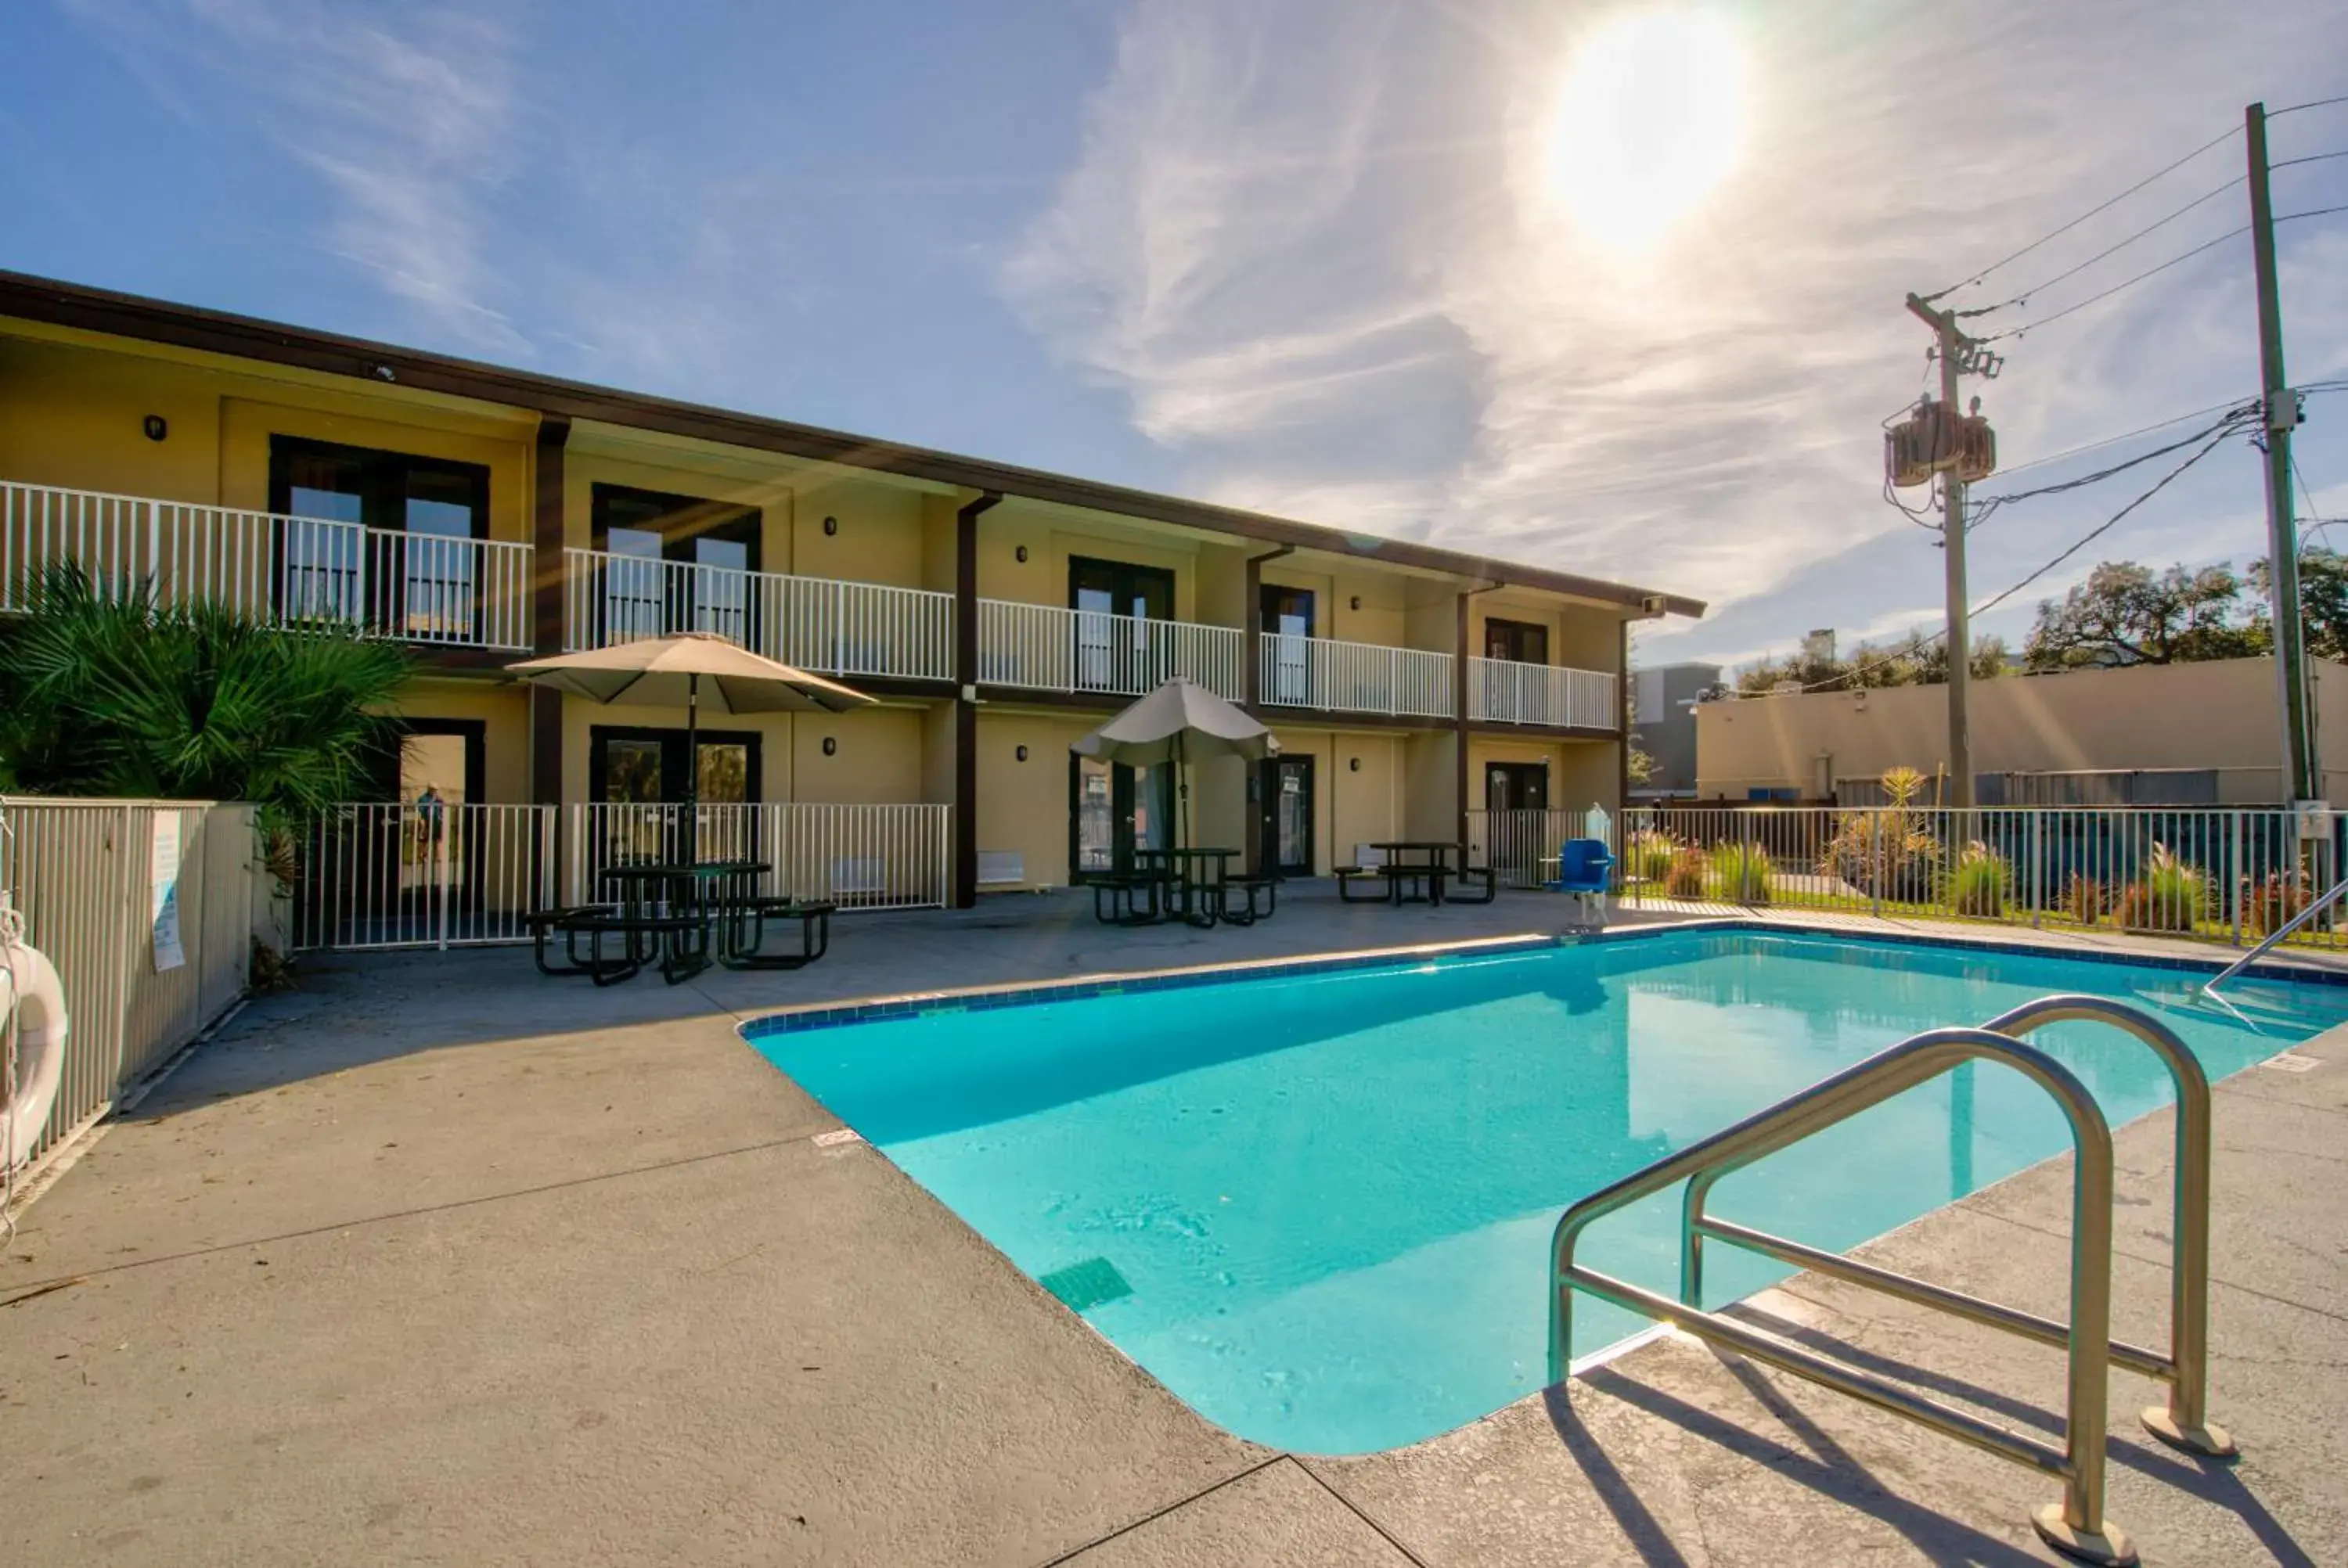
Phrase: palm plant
x=1890 y=852
x=105 y=693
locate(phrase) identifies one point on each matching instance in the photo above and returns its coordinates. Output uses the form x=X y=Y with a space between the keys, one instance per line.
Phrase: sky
x=1355 y=262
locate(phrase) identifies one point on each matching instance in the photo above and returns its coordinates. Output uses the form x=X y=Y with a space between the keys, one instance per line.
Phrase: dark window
x=1516 y=641
x=708 y=548
x=416 y=575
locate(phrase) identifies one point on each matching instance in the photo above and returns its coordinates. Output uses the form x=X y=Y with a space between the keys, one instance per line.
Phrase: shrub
x=1685 y=879
x=1647 y=854
x=2271 y=905
x=1740 y=873
x=2085 y=899
x=2169 y=897
x=1980 y=883
x=1888 y=852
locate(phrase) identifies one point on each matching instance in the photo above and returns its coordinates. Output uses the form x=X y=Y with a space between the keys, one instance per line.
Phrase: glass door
x=1113 y=811
x=1288 y=815
x=1117 y=649
x=1287 y=621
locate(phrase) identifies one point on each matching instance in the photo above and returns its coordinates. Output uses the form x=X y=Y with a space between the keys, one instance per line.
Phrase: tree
x=2124 y=614
x=106 y=694
x=1915 y=660
x=2322 y=600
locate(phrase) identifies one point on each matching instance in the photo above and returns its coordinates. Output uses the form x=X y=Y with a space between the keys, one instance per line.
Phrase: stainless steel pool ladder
x=2275 y=939
x=2076 y=1524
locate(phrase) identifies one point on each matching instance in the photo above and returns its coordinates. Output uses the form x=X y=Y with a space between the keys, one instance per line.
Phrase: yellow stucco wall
x=1023 y=806
x=878 y=757
x=504 y=712
x=2220 y=715
x=1350 y=807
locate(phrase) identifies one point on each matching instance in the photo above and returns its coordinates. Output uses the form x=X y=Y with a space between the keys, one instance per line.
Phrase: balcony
x=1335 y=677
x=820 y=624
x=1046 y=649
x=296 y=573
x=1503 y=693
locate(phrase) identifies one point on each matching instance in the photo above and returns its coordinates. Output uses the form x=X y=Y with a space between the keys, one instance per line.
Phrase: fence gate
x=422 y=874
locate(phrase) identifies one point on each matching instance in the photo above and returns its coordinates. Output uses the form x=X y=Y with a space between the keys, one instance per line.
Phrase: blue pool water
x=1318 y=1207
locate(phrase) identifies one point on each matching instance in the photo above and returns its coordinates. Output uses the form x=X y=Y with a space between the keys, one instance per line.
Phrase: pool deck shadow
x=440 y=1262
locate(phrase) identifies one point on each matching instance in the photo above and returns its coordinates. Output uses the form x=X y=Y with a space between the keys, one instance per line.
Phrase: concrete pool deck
x=438 y=1261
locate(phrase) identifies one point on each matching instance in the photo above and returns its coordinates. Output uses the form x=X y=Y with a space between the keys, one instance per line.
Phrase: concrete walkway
x=437 y=1261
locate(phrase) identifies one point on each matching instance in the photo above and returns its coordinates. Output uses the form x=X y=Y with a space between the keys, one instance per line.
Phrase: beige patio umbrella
x=666 y=672
x=1179 y=722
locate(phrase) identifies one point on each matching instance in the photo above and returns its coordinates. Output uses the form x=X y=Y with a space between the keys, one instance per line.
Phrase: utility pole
x=1954 y=351
x=2300 y=770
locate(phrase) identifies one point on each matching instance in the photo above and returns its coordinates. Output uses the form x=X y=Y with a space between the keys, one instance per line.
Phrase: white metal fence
x=831 y=627
x=2225 y=874
x=858 y=857
x=403 y=876
x=1353 y=677
x=83 y=875
x=1514 y=843
x=1048 y=649
x=1504 y=691
x=284 y=571
x=409 y=875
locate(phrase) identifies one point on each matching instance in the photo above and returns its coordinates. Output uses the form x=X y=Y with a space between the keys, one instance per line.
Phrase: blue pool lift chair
x=1584 y=869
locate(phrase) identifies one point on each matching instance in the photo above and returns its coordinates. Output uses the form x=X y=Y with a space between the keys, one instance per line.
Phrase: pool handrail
x=2184 y=1421
x=2076 y=1524
x=2274 y=938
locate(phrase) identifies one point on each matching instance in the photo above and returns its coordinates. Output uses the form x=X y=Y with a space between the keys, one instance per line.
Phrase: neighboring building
x=480 y=513
x=1663 y=718
x=2168 y=735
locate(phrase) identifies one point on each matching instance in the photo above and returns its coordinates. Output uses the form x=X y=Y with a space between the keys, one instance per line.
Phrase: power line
x=2024 y=297
x=2091 y=212
x=2110 y=523
x=2116 y=288
x=2310 y=157
x=2311 y=104
x=2317 y=212
x=2011 y=469
x=2238 y=415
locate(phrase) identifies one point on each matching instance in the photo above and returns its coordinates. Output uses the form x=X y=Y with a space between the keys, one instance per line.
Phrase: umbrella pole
x=693 y=769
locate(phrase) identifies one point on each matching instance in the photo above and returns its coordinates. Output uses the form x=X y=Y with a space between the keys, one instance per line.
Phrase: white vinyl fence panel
x=79 y=871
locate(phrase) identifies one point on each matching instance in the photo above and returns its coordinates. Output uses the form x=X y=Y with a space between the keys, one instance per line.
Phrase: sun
x=1650 y=121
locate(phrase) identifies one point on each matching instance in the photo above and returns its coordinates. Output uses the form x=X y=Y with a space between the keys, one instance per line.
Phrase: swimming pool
x=1317 y=1205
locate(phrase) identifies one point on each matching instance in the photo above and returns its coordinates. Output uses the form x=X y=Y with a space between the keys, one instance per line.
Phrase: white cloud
x=407 y=113
x=1323 y=260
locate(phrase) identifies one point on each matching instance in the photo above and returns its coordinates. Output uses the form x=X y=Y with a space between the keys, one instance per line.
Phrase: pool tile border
x=835 y=1015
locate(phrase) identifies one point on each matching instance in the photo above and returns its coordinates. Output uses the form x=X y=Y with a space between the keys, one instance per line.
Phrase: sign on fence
x=163 y=890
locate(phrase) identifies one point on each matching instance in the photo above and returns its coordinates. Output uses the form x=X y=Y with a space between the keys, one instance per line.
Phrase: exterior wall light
x=832 y=525
x=156 y=426
x=1355 y=765
x=1021 y=555
x=1357 y=601
x=830 y=746
x=1022 y=753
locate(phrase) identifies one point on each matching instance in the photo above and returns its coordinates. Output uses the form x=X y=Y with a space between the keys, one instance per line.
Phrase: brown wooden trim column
x=1255 y=808
x=1623 y=718
x=547 y=607
x=966 y=802
x=1459 y=722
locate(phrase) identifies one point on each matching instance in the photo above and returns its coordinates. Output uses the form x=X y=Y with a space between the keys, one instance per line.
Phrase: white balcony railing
x=1501 y=691
x=815 y=623
x=286 y=571
x=1353 y=677
x=1047 y=648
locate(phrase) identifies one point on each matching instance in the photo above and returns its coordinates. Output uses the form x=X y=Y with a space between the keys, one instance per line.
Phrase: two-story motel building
x=482 y=515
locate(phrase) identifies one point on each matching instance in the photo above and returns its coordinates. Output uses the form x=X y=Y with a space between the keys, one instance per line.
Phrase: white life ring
x=39 y=1001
